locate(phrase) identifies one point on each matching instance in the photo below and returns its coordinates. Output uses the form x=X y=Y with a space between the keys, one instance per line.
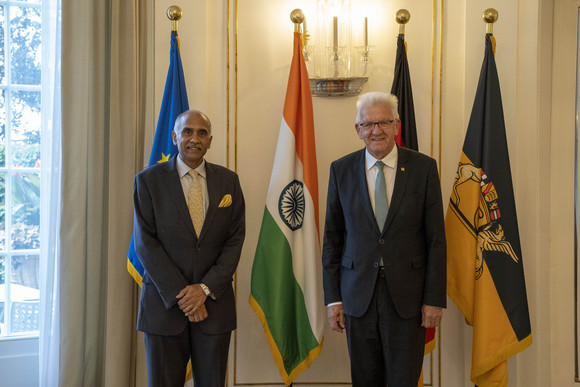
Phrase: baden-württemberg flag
x=484 y=258
x=173 y=104
x=286 y=284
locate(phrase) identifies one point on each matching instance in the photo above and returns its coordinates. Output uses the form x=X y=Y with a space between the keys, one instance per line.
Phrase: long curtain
x=107 y=105
x=51 y=193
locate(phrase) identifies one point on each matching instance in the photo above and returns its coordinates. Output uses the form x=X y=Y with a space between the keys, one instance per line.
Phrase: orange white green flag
x=286 y=291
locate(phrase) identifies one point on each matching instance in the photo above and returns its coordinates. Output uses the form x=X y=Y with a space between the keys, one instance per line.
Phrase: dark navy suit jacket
x=412 y=243
x=174 y=257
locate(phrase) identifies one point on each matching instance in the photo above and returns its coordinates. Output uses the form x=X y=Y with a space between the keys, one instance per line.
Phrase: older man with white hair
x=384 y=252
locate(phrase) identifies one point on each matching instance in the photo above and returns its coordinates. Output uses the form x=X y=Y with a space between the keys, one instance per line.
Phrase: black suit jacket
x=412 y=243
x=173 y=256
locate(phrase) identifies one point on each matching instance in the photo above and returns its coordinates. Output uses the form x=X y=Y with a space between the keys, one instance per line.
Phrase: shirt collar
x=183 y=169
x=390 y=160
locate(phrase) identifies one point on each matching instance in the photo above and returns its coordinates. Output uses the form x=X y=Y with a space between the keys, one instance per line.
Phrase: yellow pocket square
x=226 y=201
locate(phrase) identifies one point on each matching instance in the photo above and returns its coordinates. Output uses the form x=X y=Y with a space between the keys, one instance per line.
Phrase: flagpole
x=402 y=17
x=493 y=297
x=490 y=16
x=297 y=17
x=174 y=13
x=284 y=298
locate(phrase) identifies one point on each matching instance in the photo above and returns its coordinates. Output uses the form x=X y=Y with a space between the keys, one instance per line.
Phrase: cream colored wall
x=202 y=34
x=559 y=174
x=445 y=51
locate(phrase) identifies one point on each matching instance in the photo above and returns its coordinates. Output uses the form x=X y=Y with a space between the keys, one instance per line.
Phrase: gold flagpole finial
x=174 y=13
x=297 y=17
x=490 y=16
x=402 y=17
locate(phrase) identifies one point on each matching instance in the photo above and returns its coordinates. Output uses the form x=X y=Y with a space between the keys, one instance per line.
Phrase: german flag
x=407 y=135
x=484 y=258
x=401 y=87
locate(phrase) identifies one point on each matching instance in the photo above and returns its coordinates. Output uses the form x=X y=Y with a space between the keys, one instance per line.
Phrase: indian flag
x=286 y=283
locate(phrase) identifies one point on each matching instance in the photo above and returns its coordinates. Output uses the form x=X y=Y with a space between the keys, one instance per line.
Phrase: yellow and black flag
x=484 y=258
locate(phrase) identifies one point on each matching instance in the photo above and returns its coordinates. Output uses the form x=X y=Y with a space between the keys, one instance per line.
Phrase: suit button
x=381 y=241
x=197 y=248
x=376 y=264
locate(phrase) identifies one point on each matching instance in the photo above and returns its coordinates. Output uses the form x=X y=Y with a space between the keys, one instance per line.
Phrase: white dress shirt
x=389 y=169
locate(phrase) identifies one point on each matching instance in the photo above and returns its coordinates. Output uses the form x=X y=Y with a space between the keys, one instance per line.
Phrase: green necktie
x=381 y=203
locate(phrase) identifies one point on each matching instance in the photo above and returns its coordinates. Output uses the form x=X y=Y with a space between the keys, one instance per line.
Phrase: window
x=20 y=158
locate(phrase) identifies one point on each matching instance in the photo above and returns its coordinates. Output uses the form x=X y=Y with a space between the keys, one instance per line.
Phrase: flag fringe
x=459 y=301
x=495 y=360
x=498 y=358
x=134 y=273
x=303 y=366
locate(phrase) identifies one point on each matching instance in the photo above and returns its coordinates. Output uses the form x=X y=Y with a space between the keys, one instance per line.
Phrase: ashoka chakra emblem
x=291 y=205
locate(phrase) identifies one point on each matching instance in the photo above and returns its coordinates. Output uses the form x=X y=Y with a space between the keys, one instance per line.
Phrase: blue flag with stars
x=174 y=103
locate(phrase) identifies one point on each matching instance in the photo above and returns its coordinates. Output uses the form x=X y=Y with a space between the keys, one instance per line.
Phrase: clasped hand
x=192 y=302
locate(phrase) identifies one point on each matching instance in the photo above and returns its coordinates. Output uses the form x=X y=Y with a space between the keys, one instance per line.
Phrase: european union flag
x=174 y=103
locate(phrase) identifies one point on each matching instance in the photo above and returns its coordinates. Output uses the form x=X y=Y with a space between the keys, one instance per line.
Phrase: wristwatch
x=205 y=289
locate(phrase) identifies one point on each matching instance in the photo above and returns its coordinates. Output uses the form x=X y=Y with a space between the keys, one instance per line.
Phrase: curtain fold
x=49 y=331
x=106 y=106
x=132 y=55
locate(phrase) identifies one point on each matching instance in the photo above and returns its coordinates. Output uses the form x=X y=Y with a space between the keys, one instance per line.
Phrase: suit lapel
x=363 y=190
x=213 y=181
x=401 y=177
x=175 y=189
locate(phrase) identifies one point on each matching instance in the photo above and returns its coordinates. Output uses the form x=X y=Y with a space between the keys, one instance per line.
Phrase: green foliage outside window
x=20 y=137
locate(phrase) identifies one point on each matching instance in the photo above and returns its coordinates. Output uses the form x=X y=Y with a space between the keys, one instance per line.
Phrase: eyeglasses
x=371 y=125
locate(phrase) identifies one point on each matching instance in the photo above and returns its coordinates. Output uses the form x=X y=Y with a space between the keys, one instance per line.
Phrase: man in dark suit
x=189 y=231
x=384 y=252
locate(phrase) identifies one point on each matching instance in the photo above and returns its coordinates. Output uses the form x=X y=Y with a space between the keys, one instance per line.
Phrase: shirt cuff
x=334 y=303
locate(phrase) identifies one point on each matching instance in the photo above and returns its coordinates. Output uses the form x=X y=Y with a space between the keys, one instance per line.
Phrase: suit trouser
x=167 y=358
x=385 y=348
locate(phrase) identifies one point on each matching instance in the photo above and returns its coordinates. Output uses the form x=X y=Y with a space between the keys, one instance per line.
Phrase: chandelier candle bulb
x=366 y=33
x=335 y=33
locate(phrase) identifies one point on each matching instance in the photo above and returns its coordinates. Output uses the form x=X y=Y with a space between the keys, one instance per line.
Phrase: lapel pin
x=403 y=169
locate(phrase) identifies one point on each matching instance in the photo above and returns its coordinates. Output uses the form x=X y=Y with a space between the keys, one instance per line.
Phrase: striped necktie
x=195 y=201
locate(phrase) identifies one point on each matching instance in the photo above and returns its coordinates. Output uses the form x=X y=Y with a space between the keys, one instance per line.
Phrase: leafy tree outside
x=20 y=139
